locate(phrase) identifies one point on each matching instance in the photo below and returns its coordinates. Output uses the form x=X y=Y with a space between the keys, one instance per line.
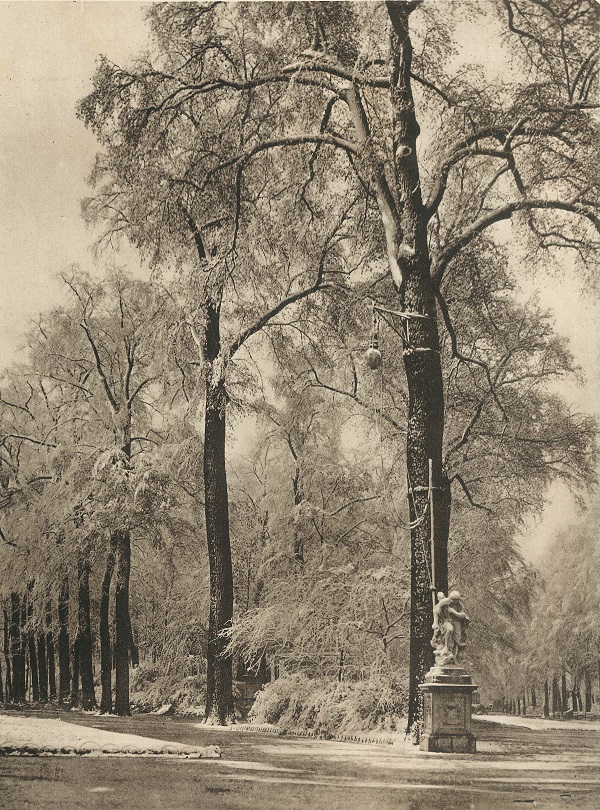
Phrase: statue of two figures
x=450 y=625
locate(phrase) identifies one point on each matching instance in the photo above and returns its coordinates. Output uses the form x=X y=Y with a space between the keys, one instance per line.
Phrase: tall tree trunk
x=219 y=678
x=64 y=677
x=6 y=635
x=404 y=219
x=84 y=637
x=50 y=653
x=42 y=667
x=123 y=622
x=588 y=692
x=556 y=705
x=106 y=704
x=33 y=666
x=546 y=700
x=75 y=674
x=16 y=650
x=533 y=698
x=33 y=661
x=564 y=695
x=23 y=634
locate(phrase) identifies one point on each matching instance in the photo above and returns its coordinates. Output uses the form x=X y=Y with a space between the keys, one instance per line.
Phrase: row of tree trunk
x=29 y=645
x=558 y=698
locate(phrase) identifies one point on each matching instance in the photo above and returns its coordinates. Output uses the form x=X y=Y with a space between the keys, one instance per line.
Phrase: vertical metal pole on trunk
x=432 y=532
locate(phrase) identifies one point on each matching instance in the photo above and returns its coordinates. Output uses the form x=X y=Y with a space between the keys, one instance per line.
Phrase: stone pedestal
x=447 y=693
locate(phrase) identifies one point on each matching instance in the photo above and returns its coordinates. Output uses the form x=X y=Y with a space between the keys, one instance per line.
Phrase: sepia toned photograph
x=299 y=405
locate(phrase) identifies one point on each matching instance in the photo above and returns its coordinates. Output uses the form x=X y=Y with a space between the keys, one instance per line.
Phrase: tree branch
x=502 y=213
x=461 y=481
x=107 y=390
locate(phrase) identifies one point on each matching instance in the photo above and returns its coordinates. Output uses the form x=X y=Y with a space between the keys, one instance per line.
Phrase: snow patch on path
x=539 y=723
x=31 y=735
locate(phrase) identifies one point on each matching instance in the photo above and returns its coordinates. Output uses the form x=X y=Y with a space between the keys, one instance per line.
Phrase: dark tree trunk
x=50 y=653
x=75 y=674
x=219 y=678
x=63 y=641
x=106 y=704
x=24 y=640
x=405 y=223
x=8 y=681
x=564 y=695
x=588 y=692
x=524 y=705
x=546 y=700
x=123 y=623
x=556 y=705
x=42 y=667
x=31 y=646
x=17 y=652
x=84 y=637
x=533 y=699
x=297 y=528
x=33 y=666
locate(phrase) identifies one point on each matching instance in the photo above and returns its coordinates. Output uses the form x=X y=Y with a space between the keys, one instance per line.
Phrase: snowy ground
x=32 y=735
x=539 y=723
x=515 y=766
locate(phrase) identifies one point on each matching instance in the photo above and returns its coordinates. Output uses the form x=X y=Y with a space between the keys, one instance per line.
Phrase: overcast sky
x=47 y=57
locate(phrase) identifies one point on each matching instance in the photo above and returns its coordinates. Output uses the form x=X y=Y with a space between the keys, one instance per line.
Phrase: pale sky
x=48 y=52
x=47 y=56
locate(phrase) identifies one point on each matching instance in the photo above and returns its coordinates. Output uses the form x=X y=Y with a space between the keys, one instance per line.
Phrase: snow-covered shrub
x=150 y=691
x=296 y=702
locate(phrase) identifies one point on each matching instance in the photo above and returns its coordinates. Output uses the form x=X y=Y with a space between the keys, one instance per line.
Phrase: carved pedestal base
x=447 y=693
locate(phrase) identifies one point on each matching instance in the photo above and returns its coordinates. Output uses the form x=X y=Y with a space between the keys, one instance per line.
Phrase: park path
x=515 y=767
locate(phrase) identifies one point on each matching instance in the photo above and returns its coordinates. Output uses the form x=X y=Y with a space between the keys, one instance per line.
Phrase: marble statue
x=450 y=625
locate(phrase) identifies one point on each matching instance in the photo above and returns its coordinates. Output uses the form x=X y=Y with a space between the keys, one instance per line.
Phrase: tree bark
x=106 y=703
x=31 y=645
x=556 y=704
x=64 y=678
x=42 y=667
x=219 y=678
x=50 y=653
x=84 y=637
x=564 y=695
x=588 y=692
x=8 y=682
x=546 y=700
x=33 y=666
x=75 y=674
x=17 y=652
x=422 y=365
x=123 y=622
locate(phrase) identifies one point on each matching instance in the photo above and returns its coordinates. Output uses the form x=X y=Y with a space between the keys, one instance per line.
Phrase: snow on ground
x=35 y=736
x=540 y=723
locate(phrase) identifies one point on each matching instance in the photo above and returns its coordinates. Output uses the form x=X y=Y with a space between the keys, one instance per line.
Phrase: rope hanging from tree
x=373 y=356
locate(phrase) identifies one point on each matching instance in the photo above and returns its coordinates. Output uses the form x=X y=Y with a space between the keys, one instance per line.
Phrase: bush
x=327 y=708
x=150 y=691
